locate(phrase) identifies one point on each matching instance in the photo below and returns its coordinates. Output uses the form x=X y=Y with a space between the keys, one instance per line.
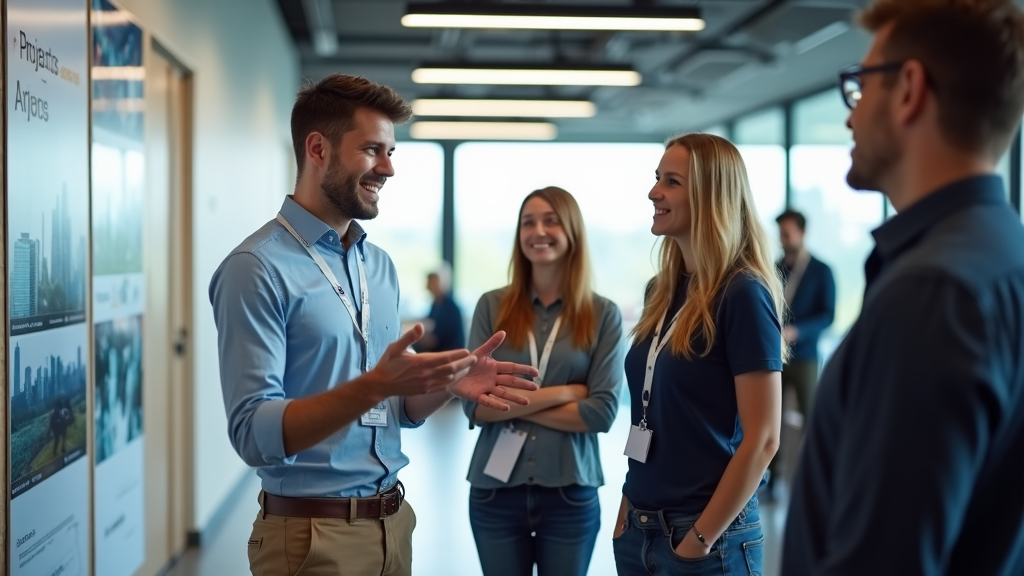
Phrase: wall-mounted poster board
x=118 y=182
x=47 y=180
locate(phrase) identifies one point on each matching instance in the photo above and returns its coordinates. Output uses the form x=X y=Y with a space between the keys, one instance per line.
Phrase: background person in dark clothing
x=811 y=303
x=444 y=326
x=912 y=462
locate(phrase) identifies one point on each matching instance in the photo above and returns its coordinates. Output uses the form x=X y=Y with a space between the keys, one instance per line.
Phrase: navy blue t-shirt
x=693 y=410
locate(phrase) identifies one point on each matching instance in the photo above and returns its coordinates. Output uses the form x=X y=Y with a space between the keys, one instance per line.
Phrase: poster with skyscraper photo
x=47 y=185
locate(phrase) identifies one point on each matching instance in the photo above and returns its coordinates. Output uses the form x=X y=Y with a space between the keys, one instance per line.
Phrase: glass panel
x=759 y=138
x=717 y=130
x=609 y=181
x=839 y=220
x=409 y=224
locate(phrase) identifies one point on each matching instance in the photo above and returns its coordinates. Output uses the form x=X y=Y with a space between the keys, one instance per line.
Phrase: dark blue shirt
x=813 y=307
x=914 y=459
x=448 y=329
x=693 y=410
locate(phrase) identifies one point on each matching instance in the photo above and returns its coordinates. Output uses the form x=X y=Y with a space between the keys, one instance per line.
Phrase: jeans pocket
x=482 y=495
x=576 y=495
x=753 y=552
x=711 y=565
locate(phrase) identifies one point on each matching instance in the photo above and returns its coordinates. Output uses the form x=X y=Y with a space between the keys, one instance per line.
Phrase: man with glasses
x=914 y=459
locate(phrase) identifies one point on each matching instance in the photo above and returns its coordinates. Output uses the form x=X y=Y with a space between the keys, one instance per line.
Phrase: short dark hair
x=797 y=217
x=328 y=106
x=973 y=54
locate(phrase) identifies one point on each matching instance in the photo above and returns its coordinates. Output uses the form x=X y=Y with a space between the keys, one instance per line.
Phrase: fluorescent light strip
x=552 y=22
x=483 y=131
x=540 y=77
x=118 y=73
x=505 y=108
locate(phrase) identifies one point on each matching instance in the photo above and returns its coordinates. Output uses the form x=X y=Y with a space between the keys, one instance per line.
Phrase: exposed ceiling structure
x=751 y=53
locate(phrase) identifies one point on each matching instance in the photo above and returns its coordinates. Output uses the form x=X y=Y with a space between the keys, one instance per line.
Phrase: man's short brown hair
x=329 y=105
x=973 y=54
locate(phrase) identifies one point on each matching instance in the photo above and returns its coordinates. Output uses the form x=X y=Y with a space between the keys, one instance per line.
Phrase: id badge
x=377 y=416
x=638 y=443
x=505 y=454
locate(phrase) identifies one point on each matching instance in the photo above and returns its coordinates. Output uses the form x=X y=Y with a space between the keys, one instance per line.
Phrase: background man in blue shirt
x=445 y=329
x=913 y=460
x=315 y=376
x=811 y=304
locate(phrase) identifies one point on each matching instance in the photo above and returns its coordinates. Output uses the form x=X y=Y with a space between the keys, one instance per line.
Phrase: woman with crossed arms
x=703 y=374
x=536 y=469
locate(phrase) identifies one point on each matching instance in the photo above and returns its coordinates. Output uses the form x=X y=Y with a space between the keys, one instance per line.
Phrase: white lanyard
x=657 y=343
x=363 y=330
x=542 y=368
x=796 y=275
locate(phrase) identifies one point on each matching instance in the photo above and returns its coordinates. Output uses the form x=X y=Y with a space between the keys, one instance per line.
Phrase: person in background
x=536 y=468
x=810 y=291
x=912 y=463
x=444 y=323
x=703 y=374
x=316 y=388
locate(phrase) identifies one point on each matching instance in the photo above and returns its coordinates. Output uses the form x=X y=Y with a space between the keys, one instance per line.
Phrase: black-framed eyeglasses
x=850 y=82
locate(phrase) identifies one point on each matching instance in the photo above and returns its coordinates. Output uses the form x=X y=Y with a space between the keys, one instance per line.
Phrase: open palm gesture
x=488 y=381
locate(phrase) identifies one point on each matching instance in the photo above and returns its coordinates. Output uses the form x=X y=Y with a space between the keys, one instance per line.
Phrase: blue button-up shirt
x=284 y=333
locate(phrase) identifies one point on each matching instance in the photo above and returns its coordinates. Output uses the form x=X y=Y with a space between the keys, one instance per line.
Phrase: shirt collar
x=903 y=230
x=312 y=229
x=537 y=302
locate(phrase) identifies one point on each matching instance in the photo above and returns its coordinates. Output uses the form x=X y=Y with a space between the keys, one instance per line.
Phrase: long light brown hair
x=515 y=315
x=727 y=239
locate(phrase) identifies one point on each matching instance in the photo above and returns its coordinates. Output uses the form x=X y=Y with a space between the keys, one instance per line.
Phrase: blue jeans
x=648 y=545
x=517 y=527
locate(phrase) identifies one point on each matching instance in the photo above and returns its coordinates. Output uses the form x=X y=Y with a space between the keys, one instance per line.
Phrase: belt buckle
x=384 y=499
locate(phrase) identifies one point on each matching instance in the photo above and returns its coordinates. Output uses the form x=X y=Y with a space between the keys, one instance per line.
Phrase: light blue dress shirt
x=284 y=333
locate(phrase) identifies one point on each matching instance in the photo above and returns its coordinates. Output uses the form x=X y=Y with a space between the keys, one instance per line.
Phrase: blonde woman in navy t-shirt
x=706 y=360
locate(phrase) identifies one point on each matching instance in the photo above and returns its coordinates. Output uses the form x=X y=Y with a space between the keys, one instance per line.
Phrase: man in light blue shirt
x=316 y=378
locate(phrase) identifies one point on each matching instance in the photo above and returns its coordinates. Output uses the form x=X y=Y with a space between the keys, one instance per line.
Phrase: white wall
x=246 y=72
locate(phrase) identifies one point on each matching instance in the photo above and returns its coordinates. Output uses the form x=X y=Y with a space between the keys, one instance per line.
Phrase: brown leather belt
x=380 y=506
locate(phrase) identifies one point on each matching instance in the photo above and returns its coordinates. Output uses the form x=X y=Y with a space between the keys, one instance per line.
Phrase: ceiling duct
x=791 y=24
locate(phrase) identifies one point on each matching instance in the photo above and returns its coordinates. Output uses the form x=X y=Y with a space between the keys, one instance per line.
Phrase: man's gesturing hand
x=401 y=373
x=488 y=380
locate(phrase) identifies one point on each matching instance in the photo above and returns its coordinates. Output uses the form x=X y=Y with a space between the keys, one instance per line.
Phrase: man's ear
x=317 y=149
x=911 y=92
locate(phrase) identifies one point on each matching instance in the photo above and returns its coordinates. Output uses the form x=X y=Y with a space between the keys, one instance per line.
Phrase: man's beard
x=341 y=190
x=874 y=158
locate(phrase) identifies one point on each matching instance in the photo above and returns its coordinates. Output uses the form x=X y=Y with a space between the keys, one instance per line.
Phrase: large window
x=839 y=220
x=609 y=181
x=409 y=224
x=760 y=138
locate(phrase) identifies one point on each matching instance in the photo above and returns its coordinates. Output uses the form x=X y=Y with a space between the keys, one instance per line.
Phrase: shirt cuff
x=268 y=429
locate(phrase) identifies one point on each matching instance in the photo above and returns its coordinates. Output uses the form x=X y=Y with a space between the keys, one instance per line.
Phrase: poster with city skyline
x=48 y=404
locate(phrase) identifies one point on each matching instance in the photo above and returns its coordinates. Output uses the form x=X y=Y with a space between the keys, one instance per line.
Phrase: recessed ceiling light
x=504 y=108
x=483 y=131
x=545 y=17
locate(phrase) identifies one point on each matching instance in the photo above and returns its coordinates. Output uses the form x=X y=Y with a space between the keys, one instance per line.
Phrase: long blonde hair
x=727 y=240
x=515 y=314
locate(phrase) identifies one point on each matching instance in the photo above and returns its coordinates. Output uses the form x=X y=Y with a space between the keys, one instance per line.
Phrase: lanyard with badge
x=639 y=441
x=511 y=441
x=377 y=416
x=793 y=282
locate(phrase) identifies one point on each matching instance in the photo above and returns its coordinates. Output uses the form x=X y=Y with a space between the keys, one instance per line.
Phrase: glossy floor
x=435 y=481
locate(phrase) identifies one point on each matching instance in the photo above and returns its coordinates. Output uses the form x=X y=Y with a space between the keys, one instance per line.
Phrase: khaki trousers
x=293 y=546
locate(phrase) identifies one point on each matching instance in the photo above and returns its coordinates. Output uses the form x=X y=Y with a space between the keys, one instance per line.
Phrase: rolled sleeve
x=252 y=342
x=606 y=373
x=403 y=417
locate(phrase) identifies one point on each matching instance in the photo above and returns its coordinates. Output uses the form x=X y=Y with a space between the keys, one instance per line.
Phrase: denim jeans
x=517 y=527
x=647 y=546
